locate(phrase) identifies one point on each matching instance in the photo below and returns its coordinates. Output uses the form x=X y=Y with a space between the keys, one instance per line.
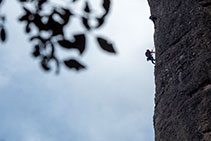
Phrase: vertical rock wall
x=183 y=69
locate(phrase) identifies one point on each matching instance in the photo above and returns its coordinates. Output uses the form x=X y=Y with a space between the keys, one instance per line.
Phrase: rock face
x=183 y=69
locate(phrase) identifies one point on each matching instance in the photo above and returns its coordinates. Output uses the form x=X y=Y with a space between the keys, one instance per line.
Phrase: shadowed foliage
x=46 y=30
x=105 y=45
x=3 y=36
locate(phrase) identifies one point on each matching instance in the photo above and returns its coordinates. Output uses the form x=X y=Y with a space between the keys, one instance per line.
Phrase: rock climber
x=149 y=56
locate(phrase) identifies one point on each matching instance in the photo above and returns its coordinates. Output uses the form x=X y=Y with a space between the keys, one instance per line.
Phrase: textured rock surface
x=183 y=69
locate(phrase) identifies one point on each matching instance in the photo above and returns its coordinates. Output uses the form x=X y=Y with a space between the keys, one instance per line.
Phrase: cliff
x=183 y=69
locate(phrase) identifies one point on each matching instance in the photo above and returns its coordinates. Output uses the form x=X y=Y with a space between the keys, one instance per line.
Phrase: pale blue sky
x=112 y=100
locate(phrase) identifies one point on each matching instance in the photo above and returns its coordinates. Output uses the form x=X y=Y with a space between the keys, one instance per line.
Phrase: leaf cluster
x=45 y=46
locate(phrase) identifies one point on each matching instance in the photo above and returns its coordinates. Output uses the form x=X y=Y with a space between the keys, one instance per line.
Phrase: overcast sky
x=112 y=100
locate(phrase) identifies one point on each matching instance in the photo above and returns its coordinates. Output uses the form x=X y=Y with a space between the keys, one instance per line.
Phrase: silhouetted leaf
x=52 y=49
x=44 y=64
x=87 y=9
x=23 y=18
x=45 y=67
x=105 y=45
x=65 y=43
x=85 y=23
x=38 y=38
x=3 y=34
x=26 y=16
x=106 y=5
x=1 y=1
x=41 y=2
x=57 y=64
x=79 y=43
x=36 y=52
x=28 y=29
x=73 y=64
x=100 y=22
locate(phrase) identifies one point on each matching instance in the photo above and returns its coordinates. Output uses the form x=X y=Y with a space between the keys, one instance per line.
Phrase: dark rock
x=183 y=70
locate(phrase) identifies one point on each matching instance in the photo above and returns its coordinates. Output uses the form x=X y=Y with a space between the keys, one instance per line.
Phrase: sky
x=112 y=100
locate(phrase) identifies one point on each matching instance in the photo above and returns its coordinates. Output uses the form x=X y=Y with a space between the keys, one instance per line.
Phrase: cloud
x=112 y=100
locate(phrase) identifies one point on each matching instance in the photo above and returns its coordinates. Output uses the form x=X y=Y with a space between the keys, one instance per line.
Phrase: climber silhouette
x=149 y=56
